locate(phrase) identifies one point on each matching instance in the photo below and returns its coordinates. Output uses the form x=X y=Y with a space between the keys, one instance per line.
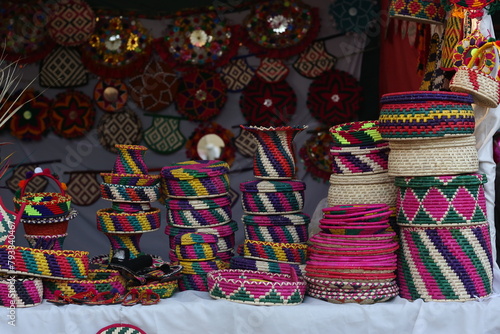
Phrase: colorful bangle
x=19 y=291
x=130 y=194
x=273 y=251
x=257 y=288
x=56 y=264
x=109 y=221
x=101 y=280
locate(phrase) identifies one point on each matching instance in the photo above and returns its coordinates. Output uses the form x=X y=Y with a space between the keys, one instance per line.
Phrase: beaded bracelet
x=255 y=287
x=101 y=280
x=56 y=264
x=132 y=194
x=273 y=251
x=120 y=223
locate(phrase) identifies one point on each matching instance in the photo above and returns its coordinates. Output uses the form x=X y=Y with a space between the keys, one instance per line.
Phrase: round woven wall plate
x=122 y=329
x=123 y=127
x=72 y=114
x=71 y=22
x=110 y=94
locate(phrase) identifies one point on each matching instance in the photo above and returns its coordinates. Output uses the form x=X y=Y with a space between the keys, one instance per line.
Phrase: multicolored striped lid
x=422 y=96
x=193 y=169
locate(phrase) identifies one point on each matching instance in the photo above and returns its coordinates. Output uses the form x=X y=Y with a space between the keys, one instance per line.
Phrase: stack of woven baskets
x=359 y=166
x=131 y=190
x=445 y=250
x=276 y=230
x=198 y=205
x=353 y=259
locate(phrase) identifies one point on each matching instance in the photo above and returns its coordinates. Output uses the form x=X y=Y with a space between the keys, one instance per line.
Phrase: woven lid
x=440 y=181
x=193 y=169
x=424 y=96
x=195 y=238
x=361 y=179
x=356 y=133
x=269 y=186
x=272 y=220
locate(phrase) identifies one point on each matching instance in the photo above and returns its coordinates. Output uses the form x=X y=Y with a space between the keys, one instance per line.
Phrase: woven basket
x=426 y=114
x=445 y=263
x=101 y=280
x=196 y=252
x=355 y=133
x=18 y=291
x=440 y=156
x=128 y=207
x=240 y=262
x=163 y=289
x=193 y=282
x=130 y=194
x=428 y=200
x=325 y=284
x=196 y=179
x=202 y=267
x=485 y=89
x=360 y=159
x=130 y=160
x=257 y=288
x=286 y=233
x=422 y=11
x=276 y=220
x=362 y=189
x=220 y=231
x=130 y=179
x=363 y=297
x=109 y=221
x=199 y=217
x=46 y=241
x=276 y=252
x=56 y=264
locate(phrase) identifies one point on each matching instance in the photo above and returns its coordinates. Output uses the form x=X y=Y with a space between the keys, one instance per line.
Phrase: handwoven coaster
x=334 y=97
x=314 y=61
x=72 y=114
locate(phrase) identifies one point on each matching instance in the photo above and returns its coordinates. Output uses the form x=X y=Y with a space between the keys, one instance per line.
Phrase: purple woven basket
x=360 y=159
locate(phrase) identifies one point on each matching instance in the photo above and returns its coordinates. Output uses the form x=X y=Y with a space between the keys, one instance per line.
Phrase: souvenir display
x=119 y=48
x=280 y=29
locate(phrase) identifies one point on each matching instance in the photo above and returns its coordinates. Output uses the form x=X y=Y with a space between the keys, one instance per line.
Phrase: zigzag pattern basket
x=257 y=288
x=17 y=291
x=439 y=200
x=445 y=263
x=101 y=280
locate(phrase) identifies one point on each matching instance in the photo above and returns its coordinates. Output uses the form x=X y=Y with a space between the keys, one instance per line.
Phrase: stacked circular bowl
x=359 y=165
x=353 y=259
x=198 y=203
x=130 y=189
x=445 y=250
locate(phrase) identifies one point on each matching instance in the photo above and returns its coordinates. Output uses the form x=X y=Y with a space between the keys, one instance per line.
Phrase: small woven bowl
x=19 y=291
x=240 y=262
x=109 y=221
x=355 y=133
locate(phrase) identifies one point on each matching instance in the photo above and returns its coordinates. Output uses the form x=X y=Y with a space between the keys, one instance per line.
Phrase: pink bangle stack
x=355 y=248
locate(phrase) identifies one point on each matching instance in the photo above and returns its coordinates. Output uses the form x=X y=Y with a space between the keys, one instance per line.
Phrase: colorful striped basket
x=200 y=217
x=265 y=197
x=101 y=280
x=193 y=282
x=275 y=251
x=363 y=297
x=362 y=189
x=130 y=179
x=280 y=233
x=276 y=220
x=130 y=194
x=445 y=263
x=441 y=200
x=240 y=262
x=439 y=156
x=256 y=287
x=55 y=264
x=19 y=291
x=128 y=207
x=367 y=159
x=130 y=160
x=357 y=133
x=426 y=114
x=274 y=158
x=220 y=231
x=196 y=179
x=197 y=204
x=163 y=289
x=46 y=241
x=109 y=221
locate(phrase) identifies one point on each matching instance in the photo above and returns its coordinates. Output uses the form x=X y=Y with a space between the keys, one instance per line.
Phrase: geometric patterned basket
x=457 y=199
x=439 y=156
x=18 y=291
x=286 y=233
x=256 y=288
x=360 y=159
x=445 y=263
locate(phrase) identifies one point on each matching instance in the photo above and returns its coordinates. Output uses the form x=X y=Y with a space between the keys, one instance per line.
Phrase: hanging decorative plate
x=316 y=154
x=280 y=29
x=123 y=127
x=121 y=328
x=63 y=68
x=272 y=70
x=31 y=121
x=110 y=94
x=70 y=22
x=83 y=188
x=211 y=141
x=119 y=48
x=164 y=135
x=268 y=104
x=334 y=97
x=314 y=60
x=198 y=40
x=353 y=16
x=72 y=114
x=155 y=89
x=236 y=74
x=201 y=95
x=22 y=32
x=245 y=143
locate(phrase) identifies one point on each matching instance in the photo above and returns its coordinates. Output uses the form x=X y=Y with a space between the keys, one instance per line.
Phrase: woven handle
x=480 y=51
x=18 y=216
x=45 y=173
